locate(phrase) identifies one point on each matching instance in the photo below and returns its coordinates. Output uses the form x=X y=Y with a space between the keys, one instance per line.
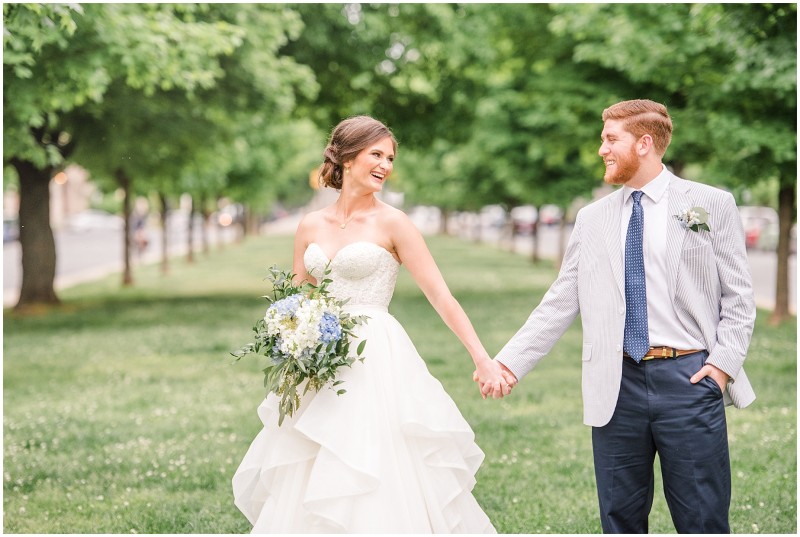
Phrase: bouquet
x=305 y=336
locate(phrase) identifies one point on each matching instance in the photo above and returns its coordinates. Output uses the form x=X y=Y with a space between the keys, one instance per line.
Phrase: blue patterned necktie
x=636 y=341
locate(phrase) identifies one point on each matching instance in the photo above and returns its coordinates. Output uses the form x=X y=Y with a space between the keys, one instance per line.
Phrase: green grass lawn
x=124 y=413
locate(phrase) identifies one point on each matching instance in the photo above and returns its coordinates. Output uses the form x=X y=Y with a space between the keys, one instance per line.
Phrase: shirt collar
x=654 y=189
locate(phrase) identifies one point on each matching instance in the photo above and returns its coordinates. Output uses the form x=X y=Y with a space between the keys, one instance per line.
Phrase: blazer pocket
x=703 y=249
x=587 y=352
x=698 y=270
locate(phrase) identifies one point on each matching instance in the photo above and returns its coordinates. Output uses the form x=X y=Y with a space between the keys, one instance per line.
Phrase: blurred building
x=70 y=193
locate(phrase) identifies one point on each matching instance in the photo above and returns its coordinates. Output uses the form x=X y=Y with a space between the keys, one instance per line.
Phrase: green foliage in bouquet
x=305 y=336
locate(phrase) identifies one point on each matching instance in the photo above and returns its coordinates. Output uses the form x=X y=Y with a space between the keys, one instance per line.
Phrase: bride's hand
x=493 y=380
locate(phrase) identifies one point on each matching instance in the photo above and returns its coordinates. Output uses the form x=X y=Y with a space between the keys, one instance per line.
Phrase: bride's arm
x=413 y=252
x=301 y=242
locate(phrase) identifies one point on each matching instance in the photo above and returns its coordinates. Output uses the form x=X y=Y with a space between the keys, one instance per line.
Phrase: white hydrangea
x=305 y=333
x=298 y=324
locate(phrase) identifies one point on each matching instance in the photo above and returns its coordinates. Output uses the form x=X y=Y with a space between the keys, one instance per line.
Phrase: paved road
x=87 y=255
x=92 y=254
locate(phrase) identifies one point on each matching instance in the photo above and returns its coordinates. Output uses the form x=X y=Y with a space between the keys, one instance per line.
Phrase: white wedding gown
x=392 y=455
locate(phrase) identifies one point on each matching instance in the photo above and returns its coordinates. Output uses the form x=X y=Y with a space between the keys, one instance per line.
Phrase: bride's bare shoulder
x=310 y=223
x=391 y=213
x=392 y=216
x=314 y=218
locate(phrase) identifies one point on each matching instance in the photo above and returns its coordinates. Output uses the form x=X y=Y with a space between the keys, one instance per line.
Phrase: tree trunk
x=443 y=221
x=535 y=240
x=251 y=222
x=219 y=230
x=562 y=235
x=786 y=200
x=190 y=232
x=164 y=241
x=206 y=214
x=243 y=215
x=124 y=183
x=35 y=236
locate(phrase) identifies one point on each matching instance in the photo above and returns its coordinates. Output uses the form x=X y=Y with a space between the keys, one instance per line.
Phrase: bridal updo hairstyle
x=348 y=139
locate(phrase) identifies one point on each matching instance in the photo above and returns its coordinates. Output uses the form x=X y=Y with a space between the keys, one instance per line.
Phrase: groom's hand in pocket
x=718 y=375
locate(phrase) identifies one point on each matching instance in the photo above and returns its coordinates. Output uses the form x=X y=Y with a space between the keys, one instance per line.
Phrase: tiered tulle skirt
x=392 y=455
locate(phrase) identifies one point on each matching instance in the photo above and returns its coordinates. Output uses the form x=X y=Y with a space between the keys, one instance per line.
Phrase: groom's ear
x=644 y=145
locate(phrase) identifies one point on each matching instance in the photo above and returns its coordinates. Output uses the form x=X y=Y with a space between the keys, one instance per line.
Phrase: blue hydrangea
x=275 y=352
x=286 y=307
x=329 y=328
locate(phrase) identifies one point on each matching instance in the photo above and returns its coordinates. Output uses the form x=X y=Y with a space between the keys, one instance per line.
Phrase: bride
x=393 y=454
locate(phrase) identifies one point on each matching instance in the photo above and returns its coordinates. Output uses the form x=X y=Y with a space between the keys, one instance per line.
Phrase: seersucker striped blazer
x=709 y=280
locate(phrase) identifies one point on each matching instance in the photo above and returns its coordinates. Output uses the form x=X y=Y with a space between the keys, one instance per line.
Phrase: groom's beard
x=625 y=168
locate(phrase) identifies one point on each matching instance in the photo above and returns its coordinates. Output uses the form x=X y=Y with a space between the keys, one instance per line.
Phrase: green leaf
x=361 y=346
x=281 y=415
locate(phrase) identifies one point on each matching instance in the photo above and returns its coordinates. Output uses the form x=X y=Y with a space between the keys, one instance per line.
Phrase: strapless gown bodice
x=362 y=272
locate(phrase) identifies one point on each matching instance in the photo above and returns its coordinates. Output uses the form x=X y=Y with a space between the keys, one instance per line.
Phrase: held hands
x=495 y=379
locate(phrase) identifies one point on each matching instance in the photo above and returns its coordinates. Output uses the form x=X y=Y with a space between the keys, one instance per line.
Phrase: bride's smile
x=370 y=169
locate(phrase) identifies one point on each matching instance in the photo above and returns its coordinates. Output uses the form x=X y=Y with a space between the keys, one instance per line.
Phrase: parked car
x=493 y=216
x=760 y=227
x=550 y=215
x=92 y=219
x=523 y=219
x=10 y=229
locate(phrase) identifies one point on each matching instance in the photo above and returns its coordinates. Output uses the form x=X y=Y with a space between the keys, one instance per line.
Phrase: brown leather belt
x=665 y=352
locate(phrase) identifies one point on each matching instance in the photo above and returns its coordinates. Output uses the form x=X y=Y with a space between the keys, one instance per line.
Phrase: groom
x=658 y=272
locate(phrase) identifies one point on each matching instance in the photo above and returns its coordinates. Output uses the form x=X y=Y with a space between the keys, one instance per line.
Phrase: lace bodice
x=361 y=271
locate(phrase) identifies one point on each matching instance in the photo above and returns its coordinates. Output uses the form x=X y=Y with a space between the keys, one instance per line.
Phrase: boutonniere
x=695 y=219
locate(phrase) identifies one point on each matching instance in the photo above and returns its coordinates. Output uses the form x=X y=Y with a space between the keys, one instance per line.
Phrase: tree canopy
x=491 y=103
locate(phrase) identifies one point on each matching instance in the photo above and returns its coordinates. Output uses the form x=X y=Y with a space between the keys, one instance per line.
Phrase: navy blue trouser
x=660 y=411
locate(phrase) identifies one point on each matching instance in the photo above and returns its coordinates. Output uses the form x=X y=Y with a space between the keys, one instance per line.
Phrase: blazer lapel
x=676 y=235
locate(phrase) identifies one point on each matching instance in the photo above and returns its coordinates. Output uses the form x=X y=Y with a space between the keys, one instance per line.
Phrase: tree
x=417 y=67
x=728 y=73
x=40 y=81
x=56 y=60
x=144 y=127
x=152 y=77
x=532 y=139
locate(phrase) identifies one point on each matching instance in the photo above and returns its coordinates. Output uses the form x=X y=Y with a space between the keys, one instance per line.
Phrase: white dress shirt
x=664 y=327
